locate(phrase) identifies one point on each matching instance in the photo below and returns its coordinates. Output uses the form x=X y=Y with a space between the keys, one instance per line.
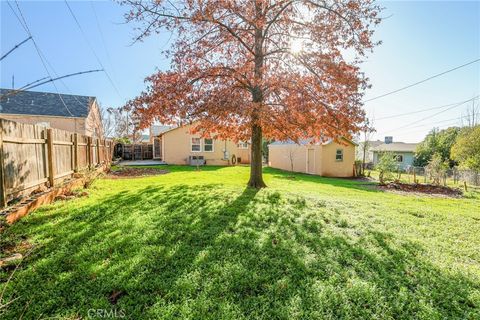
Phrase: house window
x=208 y=145
x=242 y=145
x=196 y=145
x=398 y=157
x=339 y=155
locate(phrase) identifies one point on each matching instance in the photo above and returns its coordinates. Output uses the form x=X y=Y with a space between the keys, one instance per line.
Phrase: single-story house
x=330 y=159
x=404 y=153
x=368 y=152
x=179 y=146
x=80 y=114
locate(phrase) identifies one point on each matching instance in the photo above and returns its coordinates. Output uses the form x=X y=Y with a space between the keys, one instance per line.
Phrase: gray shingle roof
x=289 y=142
x=304 y=142
x=396 y=146
x=45 y=104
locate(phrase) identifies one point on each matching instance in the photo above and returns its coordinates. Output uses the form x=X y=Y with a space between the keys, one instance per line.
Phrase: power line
x=102 y=37
x=422 y=110
x=422 y=81
x=443 y=126
x=13 y=49
x=24 y=24
x=415 y=122
x=92 y=49
x=35 y=83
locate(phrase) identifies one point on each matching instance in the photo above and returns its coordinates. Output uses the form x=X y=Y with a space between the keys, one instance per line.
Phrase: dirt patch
x=71 y=194
x=125 y=172
x=422 y=189
x=115 y=295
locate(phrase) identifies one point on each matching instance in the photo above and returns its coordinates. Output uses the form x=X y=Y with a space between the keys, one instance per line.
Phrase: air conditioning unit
x=196 y=160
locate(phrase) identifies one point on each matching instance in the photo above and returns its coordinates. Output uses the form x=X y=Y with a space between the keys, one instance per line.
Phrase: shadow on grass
x=206 y=253
x=350 y=183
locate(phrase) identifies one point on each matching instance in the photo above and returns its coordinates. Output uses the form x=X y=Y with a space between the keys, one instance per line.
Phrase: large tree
x=259 y=68
x=436 y=141
x=466 y=149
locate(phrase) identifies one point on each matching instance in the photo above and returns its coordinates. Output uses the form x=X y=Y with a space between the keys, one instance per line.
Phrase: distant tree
x=367 y=131
x=471 y=117
x=265 y=144
x=436 y=168
x=248 y=70
x=466 y=149
x=108 y=122
x=437 y=141
x=386 y=166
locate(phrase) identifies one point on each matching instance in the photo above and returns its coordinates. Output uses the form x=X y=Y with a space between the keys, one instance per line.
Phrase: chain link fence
x=453 y=176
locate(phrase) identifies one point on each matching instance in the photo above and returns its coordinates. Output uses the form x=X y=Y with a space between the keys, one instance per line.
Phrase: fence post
x=105 y=150
x=50 y=158
x=3 y=192
x=98 y=151
x=89 y=149
x=75 y=152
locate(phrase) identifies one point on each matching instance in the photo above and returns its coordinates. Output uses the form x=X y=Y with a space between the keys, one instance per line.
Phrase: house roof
x=304 y=142
x=157 y=130
x=45 y=104
x=373 y=143
x=396 y=147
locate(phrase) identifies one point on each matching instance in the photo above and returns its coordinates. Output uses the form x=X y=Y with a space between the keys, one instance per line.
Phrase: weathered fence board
x=31 y=156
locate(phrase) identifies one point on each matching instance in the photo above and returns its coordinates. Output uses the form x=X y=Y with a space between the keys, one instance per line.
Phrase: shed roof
x=396 y=147
x=45 y=103
x=304 y=142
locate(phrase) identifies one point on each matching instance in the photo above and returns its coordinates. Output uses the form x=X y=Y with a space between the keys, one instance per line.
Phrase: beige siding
x=284 y=156
x=94 y=122
x=321 y=160
x=177 y=148
x=333 y=168
x=63 y=123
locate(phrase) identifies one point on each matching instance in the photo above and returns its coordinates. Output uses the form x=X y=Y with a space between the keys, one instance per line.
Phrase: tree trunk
x=256 y=177
x=364 y=158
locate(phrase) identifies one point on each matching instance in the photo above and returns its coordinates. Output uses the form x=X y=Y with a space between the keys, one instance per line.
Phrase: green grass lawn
x=199 y=245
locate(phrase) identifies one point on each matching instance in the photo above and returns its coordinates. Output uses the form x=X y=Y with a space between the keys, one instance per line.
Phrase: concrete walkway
x=141 y=163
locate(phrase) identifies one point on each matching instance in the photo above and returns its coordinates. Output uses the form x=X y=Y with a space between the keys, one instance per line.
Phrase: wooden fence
x=33 y=156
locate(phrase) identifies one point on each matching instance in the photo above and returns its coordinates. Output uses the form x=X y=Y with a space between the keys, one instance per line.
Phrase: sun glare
x=296 y=46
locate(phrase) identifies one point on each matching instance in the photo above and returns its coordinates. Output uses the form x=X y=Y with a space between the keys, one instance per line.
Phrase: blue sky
x=420 y=39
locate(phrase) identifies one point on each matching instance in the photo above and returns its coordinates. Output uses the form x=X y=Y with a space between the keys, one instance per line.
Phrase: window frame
x=399 y=156
x=337 y=154
x=242 y=145
x=195 y=144
x=212 y=144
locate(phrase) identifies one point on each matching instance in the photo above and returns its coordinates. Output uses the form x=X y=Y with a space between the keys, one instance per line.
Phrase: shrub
x=386 y=166
x=437 y=168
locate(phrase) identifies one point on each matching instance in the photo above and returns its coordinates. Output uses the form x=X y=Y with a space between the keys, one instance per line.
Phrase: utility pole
x=13 y=81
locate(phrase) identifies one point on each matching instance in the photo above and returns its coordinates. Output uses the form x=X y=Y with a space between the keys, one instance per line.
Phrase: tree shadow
x=204 y=252
x=350 y=183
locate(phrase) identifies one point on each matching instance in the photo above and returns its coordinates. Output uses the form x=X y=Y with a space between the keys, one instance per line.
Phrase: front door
x=311 y=161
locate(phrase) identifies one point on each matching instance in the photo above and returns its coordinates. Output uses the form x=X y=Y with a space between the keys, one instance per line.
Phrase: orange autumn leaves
x=233 y=66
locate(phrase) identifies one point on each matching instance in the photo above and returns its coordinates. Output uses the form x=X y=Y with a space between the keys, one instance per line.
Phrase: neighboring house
x=68 y=112
x=368 y=151
x=330 y=159
x=404 y=153
x=179 y=146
